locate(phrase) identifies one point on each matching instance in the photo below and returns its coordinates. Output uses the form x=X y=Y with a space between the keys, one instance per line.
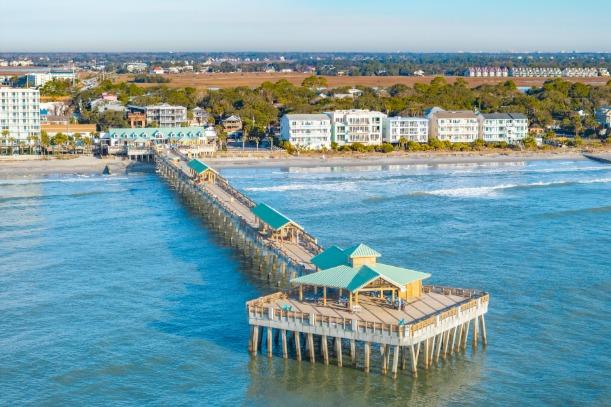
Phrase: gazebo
x=201 y=172
x=357 y=271
x=276 y=224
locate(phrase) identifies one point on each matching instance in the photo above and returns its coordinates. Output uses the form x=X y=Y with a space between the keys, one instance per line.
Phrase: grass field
x=204 y=81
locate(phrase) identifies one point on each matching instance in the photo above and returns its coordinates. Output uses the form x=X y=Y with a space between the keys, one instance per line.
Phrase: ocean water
x=113 y=293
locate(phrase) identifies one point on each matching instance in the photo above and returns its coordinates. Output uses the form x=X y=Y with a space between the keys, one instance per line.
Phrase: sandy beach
x=394 y=159
x=52 y=166
x=10 y=168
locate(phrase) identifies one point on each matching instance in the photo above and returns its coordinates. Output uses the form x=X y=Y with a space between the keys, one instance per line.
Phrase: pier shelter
x=201 y=172
x=356 y=271
x=275 y=224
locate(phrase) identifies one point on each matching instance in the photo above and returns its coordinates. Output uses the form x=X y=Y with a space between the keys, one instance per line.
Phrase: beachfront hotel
x=453 y=126
x=508 y=127
x=19 y=113
x=310 y=131
x=356 y=126
x=408 y=128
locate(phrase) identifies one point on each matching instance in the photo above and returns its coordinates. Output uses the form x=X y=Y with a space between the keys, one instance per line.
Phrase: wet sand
x=52 y=166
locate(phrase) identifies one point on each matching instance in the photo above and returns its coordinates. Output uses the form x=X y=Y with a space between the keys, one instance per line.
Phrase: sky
x=306 y=25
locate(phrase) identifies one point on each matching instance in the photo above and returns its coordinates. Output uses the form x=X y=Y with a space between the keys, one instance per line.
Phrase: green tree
x=314 y=82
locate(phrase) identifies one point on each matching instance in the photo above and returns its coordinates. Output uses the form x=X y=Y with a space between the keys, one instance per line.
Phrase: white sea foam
x=495 y=190
x=342 y=186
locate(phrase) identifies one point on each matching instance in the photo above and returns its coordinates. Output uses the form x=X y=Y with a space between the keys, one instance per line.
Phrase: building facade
x=311 y=131
x=232 y=125
x=356 y=126
x=20 y=112
x=603 y=116
x=163 y=115
x=507 y=127
x=409 y=128
x=453 y=126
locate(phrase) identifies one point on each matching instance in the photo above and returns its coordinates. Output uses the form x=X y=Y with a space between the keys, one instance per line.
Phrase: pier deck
x=414 y=317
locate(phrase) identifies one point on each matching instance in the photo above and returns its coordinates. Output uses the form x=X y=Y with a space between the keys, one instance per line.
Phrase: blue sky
x=305 y=25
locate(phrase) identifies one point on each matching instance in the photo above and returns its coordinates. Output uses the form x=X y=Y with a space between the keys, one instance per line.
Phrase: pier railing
x=267 y=308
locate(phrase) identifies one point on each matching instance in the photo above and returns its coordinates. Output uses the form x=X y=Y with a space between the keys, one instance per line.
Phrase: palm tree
x=402 y=142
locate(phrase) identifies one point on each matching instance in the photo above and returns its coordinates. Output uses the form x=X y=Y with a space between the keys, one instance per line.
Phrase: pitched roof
x=331 y=257
x=361 y=250
x=355 y=278
x=271 y=217
x=199 y=166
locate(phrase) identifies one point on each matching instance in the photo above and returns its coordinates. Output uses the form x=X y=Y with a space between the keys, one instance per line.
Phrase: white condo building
x=312 y=131
x=356 y=126
x=410 y=128
x=508 y=127
x=163 y=115
x=20 y=112
x=453 y=126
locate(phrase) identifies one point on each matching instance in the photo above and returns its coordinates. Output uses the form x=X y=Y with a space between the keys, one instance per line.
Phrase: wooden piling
x=297 y=337
x=366 y=351
x=338 y=351
x=285 y=351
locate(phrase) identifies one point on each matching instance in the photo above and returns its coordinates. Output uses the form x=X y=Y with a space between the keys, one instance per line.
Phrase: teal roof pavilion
x=199 y=166
x=271 y=217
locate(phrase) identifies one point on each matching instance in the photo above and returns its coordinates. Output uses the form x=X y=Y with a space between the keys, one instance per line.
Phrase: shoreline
x=87 y=165
x=403 y=159
x=84 y=165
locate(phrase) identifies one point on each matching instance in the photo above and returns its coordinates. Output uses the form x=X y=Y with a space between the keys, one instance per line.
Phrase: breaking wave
x=495 y=190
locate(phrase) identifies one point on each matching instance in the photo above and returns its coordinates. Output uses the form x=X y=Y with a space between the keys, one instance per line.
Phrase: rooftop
x=199 y=166
x=271 y=217
x=300 y=116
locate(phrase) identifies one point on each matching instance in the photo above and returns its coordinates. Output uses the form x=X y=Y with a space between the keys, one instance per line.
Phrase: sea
x=112 y=292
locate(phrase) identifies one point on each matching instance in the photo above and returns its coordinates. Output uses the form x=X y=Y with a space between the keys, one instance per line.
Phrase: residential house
x=356 y=126
x=311 y=131
x=603 y=116
x=409 y=128
x=162 y=115
x=232 y=126
x=453 y=126
x=507 y=127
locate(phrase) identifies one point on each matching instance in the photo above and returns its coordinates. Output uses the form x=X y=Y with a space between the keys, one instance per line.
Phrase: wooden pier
x=601 y=158
x=336 y=304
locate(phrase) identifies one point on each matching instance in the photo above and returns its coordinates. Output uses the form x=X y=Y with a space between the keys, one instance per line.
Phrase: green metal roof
x=331 y=257
x=271 y=217
x=199 y=166
x=353 y=279
x=361 y=250
x=334 y=256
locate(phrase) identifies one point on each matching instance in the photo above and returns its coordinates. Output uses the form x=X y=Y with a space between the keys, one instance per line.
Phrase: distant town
x=120 y=103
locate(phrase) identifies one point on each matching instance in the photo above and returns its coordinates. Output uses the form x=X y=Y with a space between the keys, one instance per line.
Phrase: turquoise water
x=112 y=292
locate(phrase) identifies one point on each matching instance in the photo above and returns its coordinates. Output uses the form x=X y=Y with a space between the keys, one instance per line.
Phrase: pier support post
x=324 y=347
x=395 y=361
x=414 y=359
x=285 y=351
x=367 y=351
x=269 y=341
x=338 y=351
x=297 y=337
x=353 y=352
x=311 y=347
x=466 y=333
x=459 y=337
x=439 y=344
x=383 y=352
x=475 y=333
x=483 y=326
x=427 y=348
x=255 y=339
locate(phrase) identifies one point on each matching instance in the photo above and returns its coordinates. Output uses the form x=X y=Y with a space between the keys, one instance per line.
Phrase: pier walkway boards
x=336 y=303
